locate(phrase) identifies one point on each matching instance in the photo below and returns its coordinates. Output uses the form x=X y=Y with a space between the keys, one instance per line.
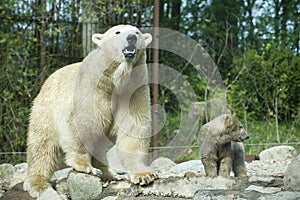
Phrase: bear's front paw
x=143 y=178
x=96 y=172
x=88 y=170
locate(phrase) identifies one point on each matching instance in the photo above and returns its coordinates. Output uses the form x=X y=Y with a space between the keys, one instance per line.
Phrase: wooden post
x=155 y=78
x=43 y=42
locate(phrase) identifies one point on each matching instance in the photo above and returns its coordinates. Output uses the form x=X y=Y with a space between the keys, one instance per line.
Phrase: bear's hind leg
x=239 y=169
x=225 y=155
x=81 y=162
x=106 y=174
x=238 y=164
x=210 y=166
x=42 y=158
x=225 y=166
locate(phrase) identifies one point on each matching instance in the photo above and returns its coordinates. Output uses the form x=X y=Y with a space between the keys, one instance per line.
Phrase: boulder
x=267 y=168
x=188 y=166
x=61 y=174
x=246 y=194
x=6 y=176
x=292 y=175
x=261 y=189
x=50 y=194
x=278 y=153
x=20 y=173
x=161 y=164
x=6 y=171
x=177 y=187
x=84 y=186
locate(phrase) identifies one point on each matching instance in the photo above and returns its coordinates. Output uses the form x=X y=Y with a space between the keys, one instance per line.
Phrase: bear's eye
x=137 y=33
x=240 y=127
x=118 y=32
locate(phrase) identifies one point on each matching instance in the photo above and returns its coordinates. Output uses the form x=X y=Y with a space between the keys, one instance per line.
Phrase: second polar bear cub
x=85 y=108
x=221 y=146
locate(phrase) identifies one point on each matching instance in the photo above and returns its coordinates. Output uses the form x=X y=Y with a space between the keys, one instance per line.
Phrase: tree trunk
x=88 y=27
x=43 y=41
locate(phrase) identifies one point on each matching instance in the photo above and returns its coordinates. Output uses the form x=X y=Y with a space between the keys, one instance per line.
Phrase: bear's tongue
x=129 y=52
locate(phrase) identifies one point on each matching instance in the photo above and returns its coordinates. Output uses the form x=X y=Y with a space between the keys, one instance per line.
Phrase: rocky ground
x=275 y=176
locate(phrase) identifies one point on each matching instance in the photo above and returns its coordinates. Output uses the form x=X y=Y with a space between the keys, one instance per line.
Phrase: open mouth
x=241 y=139
x=129 y=52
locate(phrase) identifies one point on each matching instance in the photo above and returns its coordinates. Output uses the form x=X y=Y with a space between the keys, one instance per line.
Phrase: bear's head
x=235 y=129
x=123 y=43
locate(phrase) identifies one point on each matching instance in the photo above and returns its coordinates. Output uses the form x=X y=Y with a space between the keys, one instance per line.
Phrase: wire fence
x=179 y=147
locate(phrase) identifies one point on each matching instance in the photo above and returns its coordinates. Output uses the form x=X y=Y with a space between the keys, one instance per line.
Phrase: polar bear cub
x=85 y=108
x=221 y=147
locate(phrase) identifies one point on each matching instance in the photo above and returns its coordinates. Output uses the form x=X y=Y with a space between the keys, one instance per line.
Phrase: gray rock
x=22 y=167
x=286 y=195
x=278 y=153
x=246 y=195
x=162 y=163
x=179 y=187
x=292 y=175
x=140 y=198
x=265 y=190
x=61 y=174
x=267 y=168
x=6 y=171
x=1 y=193
x=20 y=173
x=6 y=176
x=225 y=195
x=84 y=186
x=266 y=181
x=49 y=194
x=192 y=165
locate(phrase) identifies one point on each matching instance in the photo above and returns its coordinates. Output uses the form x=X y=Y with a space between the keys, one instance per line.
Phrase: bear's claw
x=96 y=172
x=144 y=178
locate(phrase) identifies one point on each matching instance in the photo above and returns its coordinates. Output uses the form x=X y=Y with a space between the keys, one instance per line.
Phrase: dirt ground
x=16 y=193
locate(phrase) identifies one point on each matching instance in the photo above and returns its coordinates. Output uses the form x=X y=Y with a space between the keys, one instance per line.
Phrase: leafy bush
x=266 y=82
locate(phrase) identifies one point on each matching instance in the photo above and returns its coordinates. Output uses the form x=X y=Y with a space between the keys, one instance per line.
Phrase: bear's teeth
x=126 y=51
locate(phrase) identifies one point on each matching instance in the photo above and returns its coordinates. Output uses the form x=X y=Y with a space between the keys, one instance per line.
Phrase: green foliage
x=17 y=83
x=263 y=79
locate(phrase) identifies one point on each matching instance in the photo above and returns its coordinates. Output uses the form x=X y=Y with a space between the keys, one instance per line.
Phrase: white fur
x=74 y=113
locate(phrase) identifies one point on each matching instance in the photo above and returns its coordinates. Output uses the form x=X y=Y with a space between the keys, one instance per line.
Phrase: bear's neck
x=115 y=76
x=225 y=138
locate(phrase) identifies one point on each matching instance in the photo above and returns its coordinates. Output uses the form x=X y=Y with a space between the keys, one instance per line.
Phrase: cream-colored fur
x=221 y=147
x=84 y=107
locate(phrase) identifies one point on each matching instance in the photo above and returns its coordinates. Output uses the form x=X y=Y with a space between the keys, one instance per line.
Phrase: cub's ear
x=147 y=38
x=228 y=120
x=96 y=38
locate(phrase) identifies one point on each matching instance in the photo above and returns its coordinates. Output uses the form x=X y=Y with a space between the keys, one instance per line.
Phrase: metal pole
x=155 y=79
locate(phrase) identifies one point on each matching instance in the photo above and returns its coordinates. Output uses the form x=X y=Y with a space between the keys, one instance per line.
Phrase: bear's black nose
x=131 y=38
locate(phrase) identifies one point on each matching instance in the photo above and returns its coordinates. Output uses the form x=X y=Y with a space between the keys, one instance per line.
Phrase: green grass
x=263 y=136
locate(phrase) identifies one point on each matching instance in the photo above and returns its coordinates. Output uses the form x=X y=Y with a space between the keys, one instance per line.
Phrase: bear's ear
x=97 y=38
x=147 y=38
x=228 y=120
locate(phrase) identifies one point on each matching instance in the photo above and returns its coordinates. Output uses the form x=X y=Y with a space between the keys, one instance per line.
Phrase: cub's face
x=236 y=129
x=123 y=42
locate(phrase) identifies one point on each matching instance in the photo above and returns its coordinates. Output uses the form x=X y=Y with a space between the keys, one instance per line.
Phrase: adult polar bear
x=83 y=106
